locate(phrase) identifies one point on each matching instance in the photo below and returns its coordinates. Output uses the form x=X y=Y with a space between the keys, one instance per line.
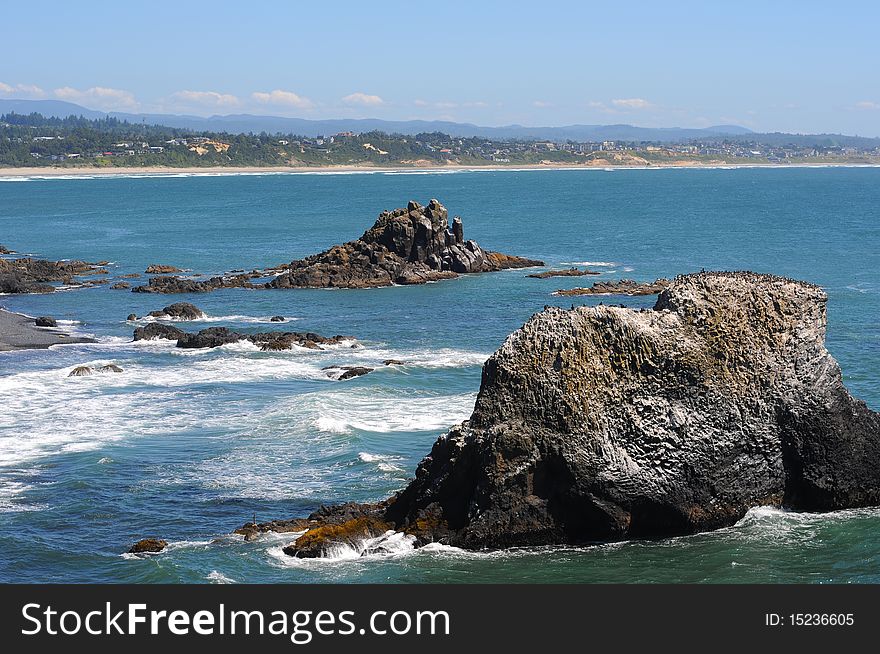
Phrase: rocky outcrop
x=119 y=286
x=604 y=423
x=81 y=371
x=568 y=272
x=46 y=321
x=29 y=275
x=179 y=311
x=5 y=250
x=622 y=287
x=412 y=245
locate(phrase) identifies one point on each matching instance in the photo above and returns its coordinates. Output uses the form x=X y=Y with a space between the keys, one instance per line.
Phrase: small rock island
x=604 y=423
x=410 y=245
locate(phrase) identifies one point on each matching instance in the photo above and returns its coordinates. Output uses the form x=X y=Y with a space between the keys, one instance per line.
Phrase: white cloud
x=421 y=103
x=363 y=99
x=542 y=104
x=283 y=98
x=206 y=98
x=23 y=90
x=99 y=97
x=867 y=104
x=631 y=103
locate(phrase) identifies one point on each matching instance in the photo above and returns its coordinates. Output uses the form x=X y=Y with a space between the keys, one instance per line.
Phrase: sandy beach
x=18 y=332
x=96 y=171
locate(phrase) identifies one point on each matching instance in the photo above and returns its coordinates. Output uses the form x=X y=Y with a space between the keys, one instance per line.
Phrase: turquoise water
x=188 y=445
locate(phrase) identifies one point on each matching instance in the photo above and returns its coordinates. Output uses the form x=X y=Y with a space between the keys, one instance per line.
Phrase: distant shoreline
x=95 y=171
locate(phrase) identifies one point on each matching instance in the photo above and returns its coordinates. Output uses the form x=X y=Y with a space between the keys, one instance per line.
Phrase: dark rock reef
x=411 y=245
x=46 y=321
x=604 y=423
x=173 y=284
x=217 y=336
x=568 y=272
x=622 y=287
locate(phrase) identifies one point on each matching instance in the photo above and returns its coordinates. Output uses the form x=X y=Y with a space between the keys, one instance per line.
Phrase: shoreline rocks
x=568 y=272
x=20 y=332
x=46 y=321
x=621 y=287
x=598 y=424
x=29 y=275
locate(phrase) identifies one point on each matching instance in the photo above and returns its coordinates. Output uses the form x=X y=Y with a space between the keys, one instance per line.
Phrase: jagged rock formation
x=148 y=546
x=161 y=269
x=412 y=245
x=603 y=423
x=622 y=287
x=217 y=336
x=29 y=275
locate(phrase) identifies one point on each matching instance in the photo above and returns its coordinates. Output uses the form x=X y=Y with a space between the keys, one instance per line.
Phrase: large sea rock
x=605 y=423
x=411 y=245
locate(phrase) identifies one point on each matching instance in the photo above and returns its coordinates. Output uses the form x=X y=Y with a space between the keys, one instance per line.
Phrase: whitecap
x=217 y=577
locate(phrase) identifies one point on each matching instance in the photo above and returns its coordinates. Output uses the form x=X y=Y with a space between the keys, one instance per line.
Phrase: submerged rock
x=179 y=311
x=81 y=371
x=217 y=336
x=411 y=245
x=110 y=367
x=46 y=321
x=118 y=286
x=277 y=319
x=605 y=423
x=622 y=287
x=148 y=546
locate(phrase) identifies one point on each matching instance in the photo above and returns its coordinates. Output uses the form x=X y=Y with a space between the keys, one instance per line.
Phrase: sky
x=770 y=66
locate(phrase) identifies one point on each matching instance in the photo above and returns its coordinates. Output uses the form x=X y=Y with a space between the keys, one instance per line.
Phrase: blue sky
x=772 y=65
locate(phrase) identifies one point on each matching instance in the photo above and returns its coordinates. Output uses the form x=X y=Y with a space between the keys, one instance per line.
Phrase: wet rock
x=5 y=250
x=266 y=341
x=110 y=367
x=156 y=330
x=179 y=311
x=341 y=373
x=132 y=317
x=252 y=530
x=81 y=371
x=411 y=245
x=277 y=319
x=160 y=269
x=622 y=287
x=148 y=546
x=603 y=423
x=393 y=362
x=120 y=286
x=46 y=321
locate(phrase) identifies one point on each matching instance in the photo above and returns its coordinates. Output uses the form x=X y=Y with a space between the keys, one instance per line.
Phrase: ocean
x=187 y=445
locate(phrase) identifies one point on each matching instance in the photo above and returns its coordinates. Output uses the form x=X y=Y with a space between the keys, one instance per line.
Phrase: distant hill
x=243 y=123
x=247 y=123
